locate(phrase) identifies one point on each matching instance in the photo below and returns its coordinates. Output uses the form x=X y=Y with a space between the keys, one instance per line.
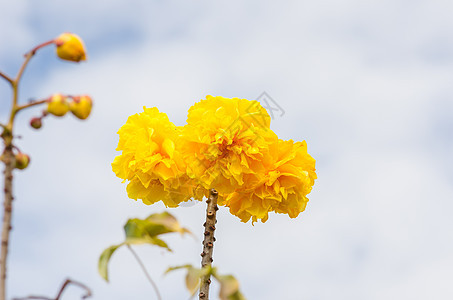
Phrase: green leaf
x=193 y=280
x=104 y=261
x=143 y=231
x=236 y=296
x=229 y=285
x=140 y=231
x=135 y=228
x=158 y=242
x=164 y=223
x=229 y=288
x=192 y=277
x=153 y=225
x=171 y=269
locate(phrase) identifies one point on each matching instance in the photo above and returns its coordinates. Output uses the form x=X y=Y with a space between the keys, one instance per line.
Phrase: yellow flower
x=70 y=47
x=150 y=160
x=57 y=105
x=81 y=106
x=283 y=187
x=227 y=144
x=227 y=140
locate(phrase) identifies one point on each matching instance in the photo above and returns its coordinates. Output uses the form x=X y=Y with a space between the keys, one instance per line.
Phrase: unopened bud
x=22 y=160
x=58 y=106
x=36 y=123
x=70 y=47
x=81 y=106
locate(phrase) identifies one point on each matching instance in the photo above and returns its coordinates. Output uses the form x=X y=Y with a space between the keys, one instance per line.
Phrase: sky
x=367 y=84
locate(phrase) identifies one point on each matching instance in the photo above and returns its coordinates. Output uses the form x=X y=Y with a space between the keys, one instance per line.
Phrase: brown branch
x=15 y=85
x=34 y=297
x=33 y=103
x=146 y=272
x=60 y=292
x=28 y=56
x=68 y=282
x=33 y=51
x=208 y=242
x=6 y=77
x=8 y=160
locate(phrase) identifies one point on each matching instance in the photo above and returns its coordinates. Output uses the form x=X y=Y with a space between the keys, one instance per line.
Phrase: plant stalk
x=8 y=159
x=154 y=285
x=9 y=162
x=208 y=243
x=6 y=77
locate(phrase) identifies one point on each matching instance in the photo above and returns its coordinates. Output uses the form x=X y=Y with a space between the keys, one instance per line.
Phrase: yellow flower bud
x=70 y=47
x=81 y=106
x=58 y=106
x=22 y=160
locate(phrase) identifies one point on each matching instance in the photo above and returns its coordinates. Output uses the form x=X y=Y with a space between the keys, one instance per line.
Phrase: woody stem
x=8 y=159
x=9 y=162
x=208 y=243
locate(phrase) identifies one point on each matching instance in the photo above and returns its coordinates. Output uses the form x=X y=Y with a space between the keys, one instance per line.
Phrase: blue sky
x=366 y=84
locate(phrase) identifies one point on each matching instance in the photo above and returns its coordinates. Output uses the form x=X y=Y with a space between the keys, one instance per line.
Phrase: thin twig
x=33 y=51
x=208 y=242
x=81 y=285
x=6 y=77
x=28 y=56
x=146 y=272
x=15 y=85
x=60 y=292
x=19 y=108
x=34 y=297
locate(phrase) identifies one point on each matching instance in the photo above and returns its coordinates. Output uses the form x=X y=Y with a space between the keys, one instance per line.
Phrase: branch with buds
x=65 y=284
x=68 y=47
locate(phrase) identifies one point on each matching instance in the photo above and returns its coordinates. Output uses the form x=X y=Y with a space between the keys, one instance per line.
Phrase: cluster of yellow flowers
x=227 y=144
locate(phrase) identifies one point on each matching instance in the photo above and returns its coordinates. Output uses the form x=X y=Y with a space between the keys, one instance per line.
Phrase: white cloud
x=355 y=82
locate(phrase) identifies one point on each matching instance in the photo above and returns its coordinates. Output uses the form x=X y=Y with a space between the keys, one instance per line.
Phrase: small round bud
x=58 y=106
x=36 y=123
x=22 y=160
x=70 y=47
x=81 y=106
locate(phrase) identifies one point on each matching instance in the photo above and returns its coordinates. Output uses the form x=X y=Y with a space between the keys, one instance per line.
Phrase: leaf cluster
x=143 y=231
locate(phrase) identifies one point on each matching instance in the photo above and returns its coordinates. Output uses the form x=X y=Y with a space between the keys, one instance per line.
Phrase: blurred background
x=368 y=85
